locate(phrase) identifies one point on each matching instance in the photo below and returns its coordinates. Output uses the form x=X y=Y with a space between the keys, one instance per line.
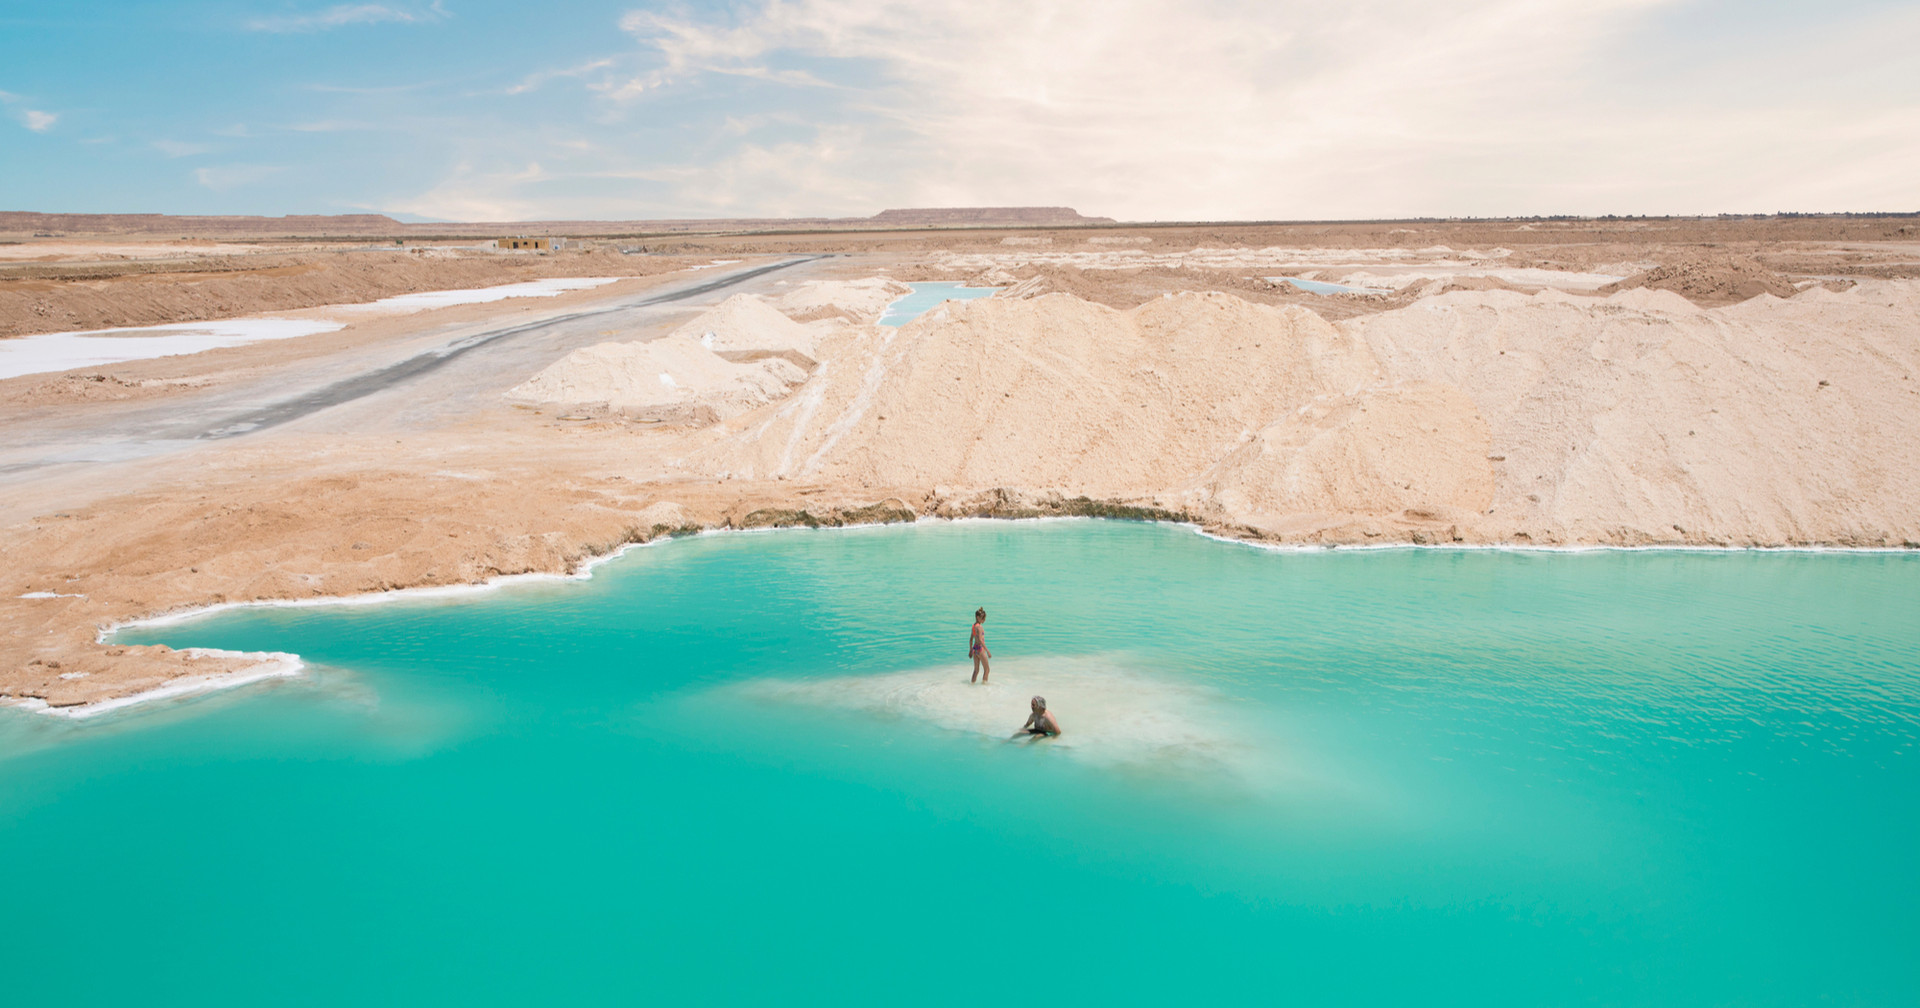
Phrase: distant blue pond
x=925 y=296
x=1322 y=287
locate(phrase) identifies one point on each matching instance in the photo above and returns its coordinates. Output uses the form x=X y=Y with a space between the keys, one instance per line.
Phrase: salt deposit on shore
x=427 y=300
x=49 y=352
x=63 y=351
x=260 y=667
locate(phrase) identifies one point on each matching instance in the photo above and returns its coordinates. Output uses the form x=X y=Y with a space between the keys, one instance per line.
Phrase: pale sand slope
x=1642 y=417
x=673 y=378
x=741 y=354
x=1636 y=418
x=745 y=328
x=725 y=361
x=860 y=300
x=1186 y=397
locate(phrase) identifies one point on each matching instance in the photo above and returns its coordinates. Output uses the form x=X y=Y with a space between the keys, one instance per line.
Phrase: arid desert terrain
x=1750 y=382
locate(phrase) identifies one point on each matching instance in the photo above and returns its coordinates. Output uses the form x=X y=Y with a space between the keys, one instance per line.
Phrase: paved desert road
x=401 y=384
x=362 y=385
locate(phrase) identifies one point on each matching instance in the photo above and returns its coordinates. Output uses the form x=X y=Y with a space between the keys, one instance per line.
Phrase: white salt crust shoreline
x=279 y=664
x=272 y=665
x=52 y=353
x=1530 y=548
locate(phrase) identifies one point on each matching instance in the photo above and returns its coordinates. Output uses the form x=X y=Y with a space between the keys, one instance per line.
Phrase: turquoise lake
x=748 y=769
x=925 y=297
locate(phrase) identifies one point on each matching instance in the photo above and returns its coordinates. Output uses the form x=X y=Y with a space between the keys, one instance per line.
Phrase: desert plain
x=1716 y=382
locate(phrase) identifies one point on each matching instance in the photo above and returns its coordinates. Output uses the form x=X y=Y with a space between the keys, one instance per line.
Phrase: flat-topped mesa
x=985 y=216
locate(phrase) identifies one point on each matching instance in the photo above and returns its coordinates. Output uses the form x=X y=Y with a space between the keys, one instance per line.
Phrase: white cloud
x=33 y=119
x=347 y=14
x=1215 y=108
x=1218 y=109
x=534 y=81
x=221 y=178
x=180 y=148
x=625 y=90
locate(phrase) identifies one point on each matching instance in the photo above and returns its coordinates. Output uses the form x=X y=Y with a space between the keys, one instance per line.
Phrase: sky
x=1134 y=109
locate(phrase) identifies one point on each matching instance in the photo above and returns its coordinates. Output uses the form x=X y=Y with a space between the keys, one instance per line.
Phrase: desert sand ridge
x=1632 y=419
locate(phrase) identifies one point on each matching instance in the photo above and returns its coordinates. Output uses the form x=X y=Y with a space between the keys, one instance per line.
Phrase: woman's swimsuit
x=974 y=645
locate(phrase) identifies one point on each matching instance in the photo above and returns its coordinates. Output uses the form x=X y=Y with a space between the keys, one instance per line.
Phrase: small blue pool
x=925 y=295
x=1323 y=287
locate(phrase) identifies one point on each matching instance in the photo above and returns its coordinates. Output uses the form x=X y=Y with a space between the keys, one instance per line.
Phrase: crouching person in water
x=1041 y=722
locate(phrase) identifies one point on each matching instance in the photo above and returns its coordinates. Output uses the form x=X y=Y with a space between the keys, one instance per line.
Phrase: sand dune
x=741 y=354
x=1635 y=418
x=745 y=328
x=674 y=379
x=1642 y=417
x=861 y=300
x=1202 y=398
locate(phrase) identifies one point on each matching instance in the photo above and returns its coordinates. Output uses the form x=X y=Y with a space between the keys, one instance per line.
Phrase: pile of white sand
x=673 y=378
x=1643 y=417
x=1188 y=393
x=745 y=328
x=862 y=300
x=1633 y=418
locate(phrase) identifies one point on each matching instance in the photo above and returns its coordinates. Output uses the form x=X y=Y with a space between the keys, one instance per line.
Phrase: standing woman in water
x=977 y=648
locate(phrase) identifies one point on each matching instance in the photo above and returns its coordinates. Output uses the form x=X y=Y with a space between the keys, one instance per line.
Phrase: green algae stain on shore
x=748 y=769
